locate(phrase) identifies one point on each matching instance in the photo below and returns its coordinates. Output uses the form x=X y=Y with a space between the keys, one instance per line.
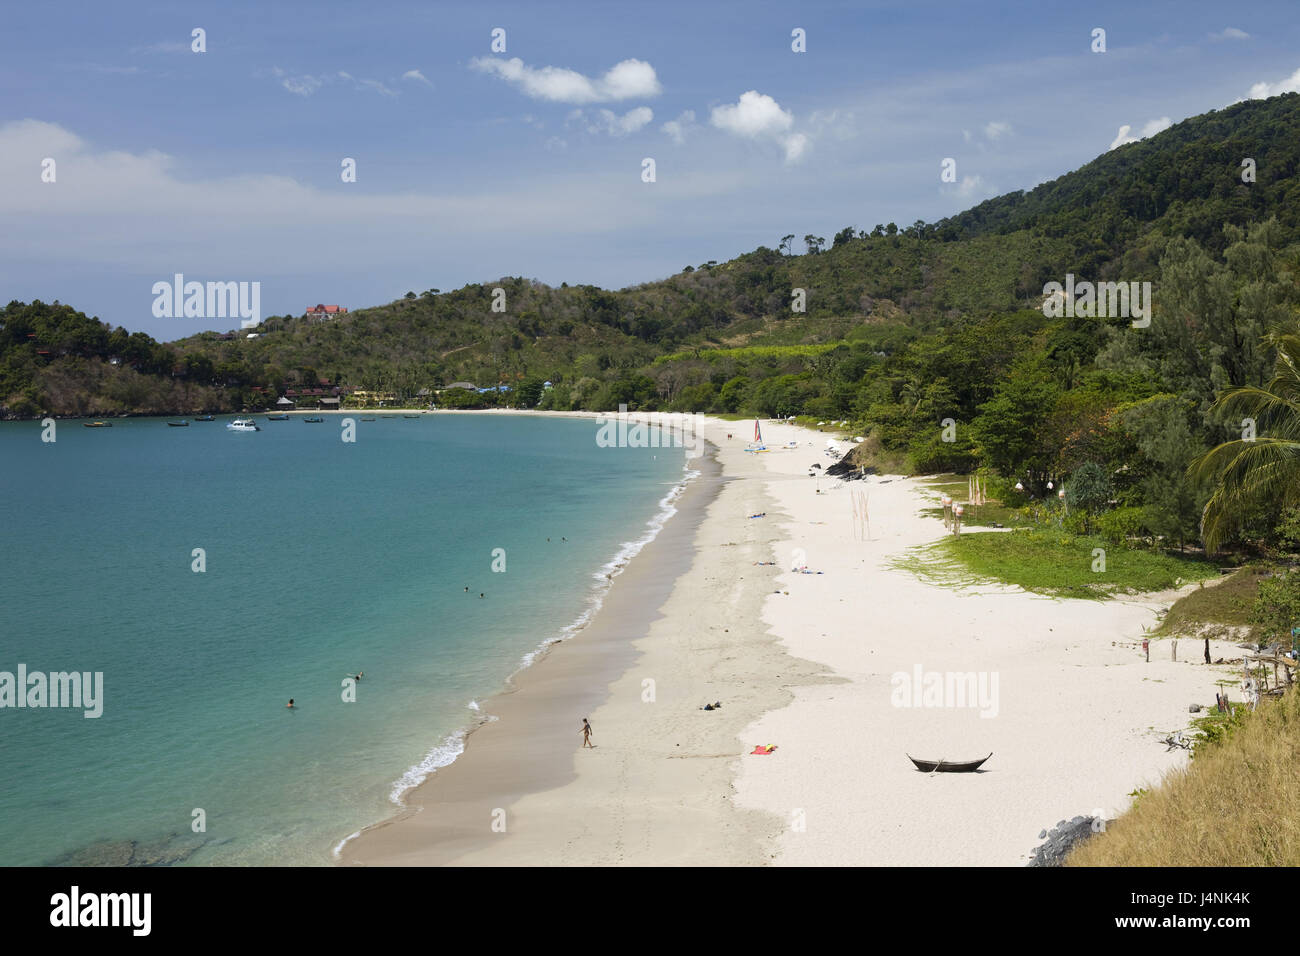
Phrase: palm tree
x=1263 y=466
x=910 y=396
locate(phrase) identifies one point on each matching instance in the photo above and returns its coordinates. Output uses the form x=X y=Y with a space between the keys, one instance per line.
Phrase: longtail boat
x=943 y=765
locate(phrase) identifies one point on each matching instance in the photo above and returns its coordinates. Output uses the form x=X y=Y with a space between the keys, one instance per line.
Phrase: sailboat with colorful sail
x=757 y=444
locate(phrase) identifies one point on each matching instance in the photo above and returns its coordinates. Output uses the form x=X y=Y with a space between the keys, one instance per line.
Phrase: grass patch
x=1236 y=804
x=1226 y=603
x=992 y=515
x=1052 y=563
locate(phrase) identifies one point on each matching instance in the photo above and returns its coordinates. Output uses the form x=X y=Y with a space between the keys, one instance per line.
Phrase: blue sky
x=471 y=165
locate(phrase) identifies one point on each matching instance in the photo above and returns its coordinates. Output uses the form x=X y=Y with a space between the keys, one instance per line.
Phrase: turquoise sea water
x=322 y=558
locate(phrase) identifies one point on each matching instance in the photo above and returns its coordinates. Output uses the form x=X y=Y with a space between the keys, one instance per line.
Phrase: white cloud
x=969 y=185
x=1149 y=128
x=678 y=128
x=607 y=121
x=757 y=116
x=373 y=85
x=624 y=80
x=965 y=135
x=1263 y=90
x=415 y=76
x=304 y=85
x=835 y=122
x=1121 y=138
x=795 y=145
x=996 y=129
x=142 y=211
x=1230 y=33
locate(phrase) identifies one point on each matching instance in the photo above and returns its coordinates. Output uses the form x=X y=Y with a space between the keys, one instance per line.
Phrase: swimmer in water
x=290 y=704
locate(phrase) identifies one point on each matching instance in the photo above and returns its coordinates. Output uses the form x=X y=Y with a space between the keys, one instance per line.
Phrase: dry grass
x=1225 y=601
x=1236 y=804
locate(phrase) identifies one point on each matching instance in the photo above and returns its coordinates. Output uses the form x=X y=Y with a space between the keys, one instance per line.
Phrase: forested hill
x=718 y=327
x=1185 y=181
x=876 y=287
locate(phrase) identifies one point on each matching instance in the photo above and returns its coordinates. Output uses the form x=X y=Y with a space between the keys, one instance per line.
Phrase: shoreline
x=595 y=600
x=533 y=722
x=803 y=661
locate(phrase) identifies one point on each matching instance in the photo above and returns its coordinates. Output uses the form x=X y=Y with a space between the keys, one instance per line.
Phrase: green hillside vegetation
x=56 y=360
x=930 y=340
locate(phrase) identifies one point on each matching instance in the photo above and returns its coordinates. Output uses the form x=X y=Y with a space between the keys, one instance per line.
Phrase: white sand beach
x=804 y=661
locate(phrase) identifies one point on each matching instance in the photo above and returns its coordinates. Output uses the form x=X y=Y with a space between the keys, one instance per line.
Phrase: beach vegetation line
x=1054 y=563
x=1236 y=804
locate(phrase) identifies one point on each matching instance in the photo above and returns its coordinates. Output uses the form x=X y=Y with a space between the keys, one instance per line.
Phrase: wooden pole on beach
x=861 y=516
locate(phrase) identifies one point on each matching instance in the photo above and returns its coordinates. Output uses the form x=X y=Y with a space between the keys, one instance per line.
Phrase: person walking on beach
x=586 y=734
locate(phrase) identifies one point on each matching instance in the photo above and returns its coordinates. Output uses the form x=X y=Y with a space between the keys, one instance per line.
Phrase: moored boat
x=178 y=424
x=277 y=418
x=97 y=424
x=313 y=419
x=204 y=418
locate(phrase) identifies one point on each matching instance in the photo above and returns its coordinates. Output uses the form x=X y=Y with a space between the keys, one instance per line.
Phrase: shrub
x=1119 y=525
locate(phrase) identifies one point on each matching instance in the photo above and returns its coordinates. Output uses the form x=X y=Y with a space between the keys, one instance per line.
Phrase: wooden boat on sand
x=943 y=765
